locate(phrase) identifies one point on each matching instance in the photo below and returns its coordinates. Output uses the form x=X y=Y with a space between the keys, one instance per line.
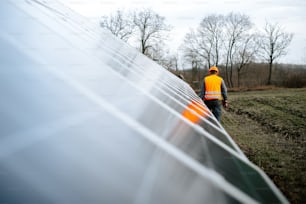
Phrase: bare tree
x=151 y=30
x=245 y=53
x=119 y=23
x=236 y=27
x=193 y=59
x=170 y=62
x=218 y=35
x=274 y=44
x=143 y=27
x=191 y=50
x=204 y=43
x=211 y=36
x=159 y=53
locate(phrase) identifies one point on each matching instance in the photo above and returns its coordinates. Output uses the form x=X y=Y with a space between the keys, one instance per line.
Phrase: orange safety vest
x=213 y=87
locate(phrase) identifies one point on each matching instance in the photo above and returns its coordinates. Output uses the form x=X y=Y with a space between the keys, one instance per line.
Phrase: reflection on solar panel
x=85 y=118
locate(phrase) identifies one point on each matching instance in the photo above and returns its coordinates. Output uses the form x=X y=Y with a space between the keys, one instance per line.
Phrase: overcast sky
x=186 y=14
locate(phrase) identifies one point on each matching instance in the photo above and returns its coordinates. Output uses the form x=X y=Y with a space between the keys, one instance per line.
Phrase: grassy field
x=270 y=128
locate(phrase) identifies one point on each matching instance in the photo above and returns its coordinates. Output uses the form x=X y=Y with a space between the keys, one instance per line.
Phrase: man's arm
x=202 y=93
x=223 y=90
x=224 y=94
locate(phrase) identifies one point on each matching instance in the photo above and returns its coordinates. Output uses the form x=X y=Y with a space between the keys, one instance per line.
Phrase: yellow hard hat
x=213 y=68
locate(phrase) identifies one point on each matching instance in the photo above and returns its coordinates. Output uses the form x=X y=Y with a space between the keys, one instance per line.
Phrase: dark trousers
x=215 y=107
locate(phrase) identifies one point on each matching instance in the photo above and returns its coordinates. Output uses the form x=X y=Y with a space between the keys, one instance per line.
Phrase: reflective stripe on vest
x=213 y=87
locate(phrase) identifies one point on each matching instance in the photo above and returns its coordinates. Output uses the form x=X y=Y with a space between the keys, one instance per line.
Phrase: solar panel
x=85 y=118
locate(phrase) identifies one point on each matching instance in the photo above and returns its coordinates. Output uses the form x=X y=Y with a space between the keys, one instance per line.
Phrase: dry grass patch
x=270 y=127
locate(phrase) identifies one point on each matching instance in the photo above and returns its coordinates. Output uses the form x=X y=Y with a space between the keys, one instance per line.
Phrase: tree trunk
x=231 y=75
x=238 y=77
x=270 y=71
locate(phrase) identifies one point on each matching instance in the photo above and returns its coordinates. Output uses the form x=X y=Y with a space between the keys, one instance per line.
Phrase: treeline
x=245 y=54
x=254 y=76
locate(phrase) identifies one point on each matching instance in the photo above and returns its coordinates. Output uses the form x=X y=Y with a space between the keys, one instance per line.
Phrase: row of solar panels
x=85 y=118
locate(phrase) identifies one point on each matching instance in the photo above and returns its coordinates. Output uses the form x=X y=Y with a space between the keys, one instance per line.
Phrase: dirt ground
x=270 y=128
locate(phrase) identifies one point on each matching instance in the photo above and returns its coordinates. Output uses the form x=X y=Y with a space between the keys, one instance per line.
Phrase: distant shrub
x=296 y=81
x=290 y=76
x=255 y=76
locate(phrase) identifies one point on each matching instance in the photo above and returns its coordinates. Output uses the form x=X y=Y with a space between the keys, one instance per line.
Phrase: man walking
x=214 y=92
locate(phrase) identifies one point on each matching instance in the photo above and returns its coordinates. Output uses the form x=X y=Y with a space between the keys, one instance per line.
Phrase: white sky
x=186 y=14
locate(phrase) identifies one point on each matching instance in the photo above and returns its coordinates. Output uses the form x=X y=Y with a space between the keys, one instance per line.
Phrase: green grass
x=270 y=128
